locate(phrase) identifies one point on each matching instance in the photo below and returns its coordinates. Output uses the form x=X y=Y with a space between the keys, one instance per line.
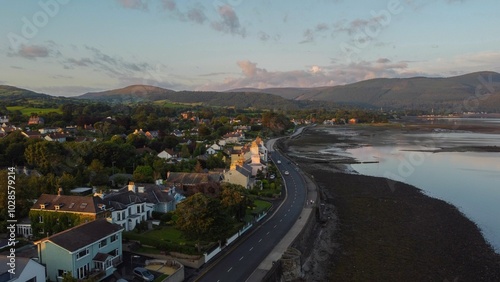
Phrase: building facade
x=91 y=250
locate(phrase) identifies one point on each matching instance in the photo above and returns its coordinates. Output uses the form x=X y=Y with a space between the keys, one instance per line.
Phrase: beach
x=376 y=229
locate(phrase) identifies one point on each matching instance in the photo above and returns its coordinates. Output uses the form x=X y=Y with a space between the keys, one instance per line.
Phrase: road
x=240 y=262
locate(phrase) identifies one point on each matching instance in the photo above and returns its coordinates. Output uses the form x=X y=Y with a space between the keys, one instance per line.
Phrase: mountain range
x=479 y=91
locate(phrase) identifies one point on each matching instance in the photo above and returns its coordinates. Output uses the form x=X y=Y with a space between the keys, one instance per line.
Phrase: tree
x=200 y=218
x=198 y=168
x=98 y=176
x=185 y=152
x=233 y=199
x=144 y=174
x=46 y=156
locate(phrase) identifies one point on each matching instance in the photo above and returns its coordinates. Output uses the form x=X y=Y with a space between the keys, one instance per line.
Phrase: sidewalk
x=287 y=241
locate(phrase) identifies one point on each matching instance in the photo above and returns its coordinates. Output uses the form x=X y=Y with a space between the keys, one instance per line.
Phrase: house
x=353 y=121
x=88 y=251
x=214 y=149
x=167 y=154
x=23 y=228
x=239 y=175
x=54 y=213
x=234 y=137
x=36 y=120
x=178 y=133
x=189 y=183
x=263 y=152
x=152 y=134
x=56 y=137
x=242 y=171
x=89 y=127
x=4 y=119
x=128 y=208
x=47 y=130
x=164 y=199
x=26 y=270
x=32 y=134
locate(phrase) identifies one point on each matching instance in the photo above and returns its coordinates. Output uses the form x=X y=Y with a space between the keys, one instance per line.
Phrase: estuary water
x=468 y=180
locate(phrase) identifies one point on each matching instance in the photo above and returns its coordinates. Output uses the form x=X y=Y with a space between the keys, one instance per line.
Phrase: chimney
x=131 y=187
x=59 y=191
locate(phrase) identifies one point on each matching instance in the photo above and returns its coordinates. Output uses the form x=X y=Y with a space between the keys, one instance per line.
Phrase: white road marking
x=241 y=258
x=229 y=269
x=250 y=249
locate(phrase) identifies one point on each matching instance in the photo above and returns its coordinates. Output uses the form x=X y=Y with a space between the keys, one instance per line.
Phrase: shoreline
x=373 y=232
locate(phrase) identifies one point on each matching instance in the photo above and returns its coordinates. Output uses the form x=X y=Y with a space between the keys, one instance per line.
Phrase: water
x=468 y=180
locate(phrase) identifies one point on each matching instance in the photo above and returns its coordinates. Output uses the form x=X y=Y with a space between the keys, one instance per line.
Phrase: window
x=61 y=272
x=82 y=253
x=40 y=219
x=83 y=271
x=103 y=243
x=114 y=252
x=138 y=209
x=113 y=238
x=32 y=279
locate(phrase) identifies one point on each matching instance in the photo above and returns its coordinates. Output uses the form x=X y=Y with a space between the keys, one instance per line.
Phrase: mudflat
x=375 y=229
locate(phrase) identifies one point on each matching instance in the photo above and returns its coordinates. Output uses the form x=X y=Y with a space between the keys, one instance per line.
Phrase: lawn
x=27 y=111
x=261 y=206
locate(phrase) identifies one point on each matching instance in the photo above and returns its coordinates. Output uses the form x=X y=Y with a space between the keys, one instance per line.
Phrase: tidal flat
x=382 y=229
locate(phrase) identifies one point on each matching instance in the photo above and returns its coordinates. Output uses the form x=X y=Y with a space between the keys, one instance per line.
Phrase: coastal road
x=243 y=258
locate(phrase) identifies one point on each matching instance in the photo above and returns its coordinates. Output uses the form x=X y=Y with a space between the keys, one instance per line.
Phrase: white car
x=278 y=162
x=144 y=274
x=286 y=172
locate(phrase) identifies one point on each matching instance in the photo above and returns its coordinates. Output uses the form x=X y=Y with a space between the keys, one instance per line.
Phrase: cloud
x=229 y=21
x=114 y=66
x=196 y=15
x=310 y=34
x=134 y=4
x=248 y=68
x=31 y=52
x=312 y=76
x=170 y=5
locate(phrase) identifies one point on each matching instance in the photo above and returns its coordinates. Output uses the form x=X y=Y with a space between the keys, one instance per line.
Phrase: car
x=144 y=274
x=278 y=161
x=286 y=172
x=272 y=176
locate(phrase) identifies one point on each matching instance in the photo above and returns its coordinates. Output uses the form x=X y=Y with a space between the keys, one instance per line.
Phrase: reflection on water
x=468 y=180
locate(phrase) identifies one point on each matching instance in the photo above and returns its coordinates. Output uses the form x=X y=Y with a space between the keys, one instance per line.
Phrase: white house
x=214 y=149
x=90 y=250
x=127 y=208
x=166 y=154
x=26 y=270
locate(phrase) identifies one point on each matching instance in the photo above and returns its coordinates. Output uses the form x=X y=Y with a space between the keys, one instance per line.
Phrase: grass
x=161 y=277
x=170 y=104
x=27 y=111
x=261 y=206
x=167 y=233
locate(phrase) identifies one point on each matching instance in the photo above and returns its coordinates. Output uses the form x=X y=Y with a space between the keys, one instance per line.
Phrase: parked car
x=144 y=274
x=286 y=172
x=278 y=161
x=272 y=176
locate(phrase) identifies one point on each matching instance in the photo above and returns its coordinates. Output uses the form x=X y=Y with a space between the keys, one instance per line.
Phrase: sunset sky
x=69 y=47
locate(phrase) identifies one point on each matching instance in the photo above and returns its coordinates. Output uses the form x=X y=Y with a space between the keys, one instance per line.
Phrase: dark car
x=144 y=274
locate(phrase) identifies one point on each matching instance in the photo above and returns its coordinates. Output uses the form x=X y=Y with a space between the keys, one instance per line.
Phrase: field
x=27 y=111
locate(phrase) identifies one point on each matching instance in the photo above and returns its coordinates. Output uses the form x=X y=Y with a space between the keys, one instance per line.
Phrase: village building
x=89 y=251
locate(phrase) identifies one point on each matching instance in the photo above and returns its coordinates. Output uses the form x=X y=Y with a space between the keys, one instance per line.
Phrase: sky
x=70 y=47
